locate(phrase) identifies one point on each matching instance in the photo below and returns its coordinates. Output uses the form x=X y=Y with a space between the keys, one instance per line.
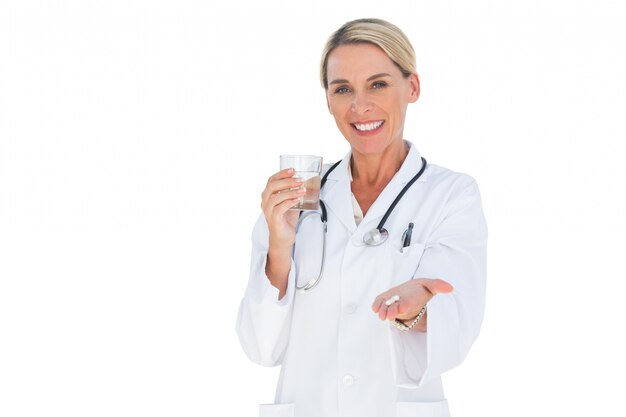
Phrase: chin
x=370 y=146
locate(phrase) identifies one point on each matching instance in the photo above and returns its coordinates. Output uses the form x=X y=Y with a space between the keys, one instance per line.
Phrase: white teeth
x=368 y=126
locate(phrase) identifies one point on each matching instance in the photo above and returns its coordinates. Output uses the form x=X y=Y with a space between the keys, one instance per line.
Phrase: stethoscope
x=374 y=237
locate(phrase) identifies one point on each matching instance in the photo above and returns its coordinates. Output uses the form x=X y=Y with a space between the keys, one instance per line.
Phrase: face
x=368 y=97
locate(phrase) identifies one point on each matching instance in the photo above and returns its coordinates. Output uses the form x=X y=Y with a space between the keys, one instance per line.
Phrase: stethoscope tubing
x=400 y=195
x=313 y=282
x=380 y=229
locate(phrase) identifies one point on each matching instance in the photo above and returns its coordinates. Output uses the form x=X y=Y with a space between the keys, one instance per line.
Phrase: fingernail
x=298 y=180
x=301 y=190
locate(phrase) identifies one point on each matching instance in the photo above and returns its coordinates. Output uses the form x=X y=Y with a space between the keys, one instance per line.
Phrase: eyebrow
x=342 y=81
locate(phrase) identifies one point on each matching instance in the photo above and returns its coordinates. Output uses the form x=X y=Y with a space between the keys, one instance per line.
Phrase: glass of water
x=309 y=168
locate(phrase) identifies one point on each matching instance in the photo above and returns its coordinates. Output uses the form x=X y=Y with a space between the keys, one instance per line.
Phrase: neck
x=377 y=170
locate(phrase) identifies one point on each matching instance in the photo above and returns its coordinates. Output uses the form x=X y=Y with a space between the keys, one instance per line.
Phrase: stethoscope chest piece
x=375 y=237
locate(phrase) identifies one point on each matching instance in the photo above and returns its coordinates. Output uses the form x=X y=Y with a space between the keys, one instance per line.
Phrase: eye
x=378 y=85
x=342 y=90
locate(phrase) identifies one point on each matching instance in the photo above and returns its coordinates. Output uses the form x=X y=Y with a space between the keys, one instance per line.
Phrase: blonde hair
x=381 y=33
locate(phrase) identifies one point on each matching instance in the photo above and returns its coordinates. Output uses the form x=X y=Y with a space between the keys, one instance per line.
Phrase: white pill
x=392 y=300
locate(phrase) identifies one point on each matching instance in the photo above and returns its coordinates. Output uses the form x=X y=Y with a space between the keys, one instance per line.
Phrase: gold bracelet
x=405 y=328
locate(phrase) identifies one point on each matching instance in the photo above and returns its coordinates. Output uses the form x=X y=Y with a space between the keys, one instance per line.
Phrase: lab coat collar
x=337 y=191
x=411 y=166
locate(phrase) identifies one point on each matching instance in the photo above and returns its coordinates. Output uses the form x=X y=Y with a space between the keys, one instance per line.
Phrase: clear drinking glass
x=309 y=168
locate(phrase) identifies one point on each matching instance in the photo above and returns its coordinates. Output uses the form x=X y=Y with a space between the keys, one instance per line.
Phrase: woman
x=374 y=335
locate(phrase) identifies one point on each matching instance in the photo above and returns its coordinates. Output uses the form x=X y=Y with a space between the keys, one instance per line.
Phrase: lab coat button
x=348 y=380
x=350 y=308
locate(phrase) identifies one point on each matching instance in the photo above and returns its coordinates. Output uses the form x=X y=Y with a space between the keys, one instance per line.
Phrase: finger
x=378 y=303
x=276 y=199
x=386 y=305
x=382 y=313
x=276 y=210
x=284 y=207
x=283 y=173
x=437 y=286
x=403 y=306
x=392 y=311
x=280 y=175
x=279 y=187
x=270 y=199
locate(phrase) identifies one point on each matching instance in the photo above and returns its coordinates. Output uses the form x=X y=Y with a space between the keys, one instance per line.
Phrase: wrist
x=408 y=319
x=277 y=267
x=407 y=325
x=278 y=247
x=278 y=258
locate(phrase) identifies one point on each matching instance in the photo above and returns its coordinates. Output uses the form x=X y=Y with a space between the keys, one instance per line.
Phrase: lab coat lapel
x=337 y=194
x=411 y=165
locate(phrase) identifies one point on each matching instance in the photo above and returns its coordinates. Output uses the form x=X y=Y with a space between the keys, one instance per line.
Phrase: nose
x=361 y=103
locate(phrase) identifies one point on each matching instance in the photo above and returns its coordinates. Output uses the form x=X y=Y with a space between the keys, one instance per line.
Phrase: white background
x=136 y=137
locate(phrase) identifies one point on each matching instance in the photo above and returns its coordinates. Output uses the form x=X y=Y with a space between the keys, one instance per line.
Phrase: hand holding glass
x=309 y=168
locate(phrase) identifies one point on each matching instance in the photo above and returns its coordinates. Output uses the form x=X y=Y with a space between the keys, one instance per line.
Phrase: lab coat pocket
x=423 y=409
x=405 y=261
x=276 y=410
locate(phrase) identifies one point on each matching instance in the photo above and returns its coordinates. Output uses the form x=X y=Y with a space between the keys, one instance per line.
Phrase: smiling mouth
x=368 y=127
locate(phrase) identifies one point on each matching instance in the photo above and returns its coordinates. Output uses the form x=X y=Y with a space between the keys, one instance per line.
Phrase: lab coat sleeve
x=264 y=321
x=456 y=253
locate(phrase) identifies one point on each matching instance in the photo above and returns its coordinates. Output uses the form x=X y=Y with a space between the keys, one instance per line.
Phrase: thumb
x=437 y=286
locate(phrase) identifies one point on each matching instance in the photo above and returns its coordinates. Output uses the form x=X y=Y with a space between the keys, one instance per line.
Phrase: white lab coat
x=337 y=357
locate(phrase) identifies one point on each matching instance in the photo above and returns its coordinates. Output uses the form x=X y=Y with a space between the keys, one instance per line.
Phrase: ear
x=328 y=103
x=414 y=83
